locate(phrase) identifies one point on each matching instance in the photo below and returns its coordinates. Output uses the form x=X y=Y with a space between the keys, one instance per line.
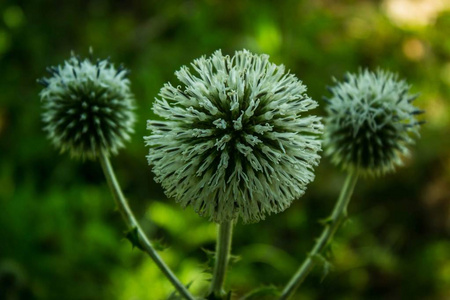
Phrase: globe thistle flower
x=88 y=107
x=234 y=141
x=371 y=122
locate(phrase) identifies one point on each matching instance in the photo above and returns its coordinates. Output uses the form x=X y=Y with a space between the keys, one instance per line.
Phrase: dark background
x=60 y=237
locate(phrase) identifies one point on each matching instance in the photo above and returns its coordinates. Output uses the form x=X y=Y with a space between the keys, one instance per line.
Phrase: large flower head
x=234 y=141
x=88 y=107
x=371 y=122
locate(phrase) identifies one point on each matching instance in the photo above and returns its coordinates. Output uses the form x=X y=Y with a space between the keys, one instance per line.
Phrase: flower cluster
x=370 y=122
x=233 y=140
x=88 y=107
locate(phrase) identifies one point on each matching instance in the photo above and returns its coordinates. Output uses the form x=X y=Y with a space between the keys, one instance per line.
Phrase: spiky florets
x=370 y=122
x=234 y=141
x=88 y=107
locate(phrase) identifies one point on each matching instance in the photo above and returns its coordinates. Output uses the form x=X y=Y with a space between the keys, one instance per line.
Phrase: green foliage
x=60 y=236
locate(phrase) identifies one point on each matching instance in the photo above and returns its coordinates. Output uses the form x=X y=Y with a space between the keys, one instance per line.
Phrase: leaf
x=209 y=264
x=175 y=296
x=326 y=265
x=233 y=259
x=133 y=236
x=325 y=221
x=211 y=258
x=159 y=244
x=261 y=292
x=224 y=297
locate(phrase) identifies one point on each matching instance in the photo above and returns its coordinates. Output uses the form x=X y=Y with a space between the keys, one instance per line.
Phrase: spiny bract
x=88 y=107
x=370 y=122
x=234 y=141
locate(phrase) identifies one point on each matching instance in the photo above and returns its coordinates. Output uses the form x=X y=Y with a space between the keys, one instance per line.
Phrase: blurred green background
x=60 y=237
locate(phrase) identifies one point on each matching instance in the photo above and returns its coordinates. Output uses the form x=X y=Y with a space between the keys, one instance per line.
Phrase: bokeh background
x=60 y=237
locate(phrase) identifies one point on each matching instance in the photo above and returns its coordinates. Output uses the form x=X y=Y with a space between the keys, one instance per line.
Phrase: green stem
x=223 y=248
x=338 y=215
x=132 y=224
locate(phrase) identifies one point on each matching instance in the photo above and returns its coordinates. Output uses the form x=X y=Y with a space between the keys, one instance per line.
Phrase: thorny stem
x=132 y=224
x=223 y=248
x=337 y=217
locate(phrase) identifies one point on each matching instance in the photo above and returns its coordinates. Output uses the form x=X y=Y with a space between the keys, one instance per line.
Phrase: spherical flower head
x=234 y=141
x=88 y=107
x=370 y=123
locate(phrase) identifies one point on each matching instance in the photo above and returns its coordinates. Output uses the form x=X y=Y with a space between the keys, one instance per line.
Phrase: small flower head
x=88 y=107
x=234 y=141
x=370 y=122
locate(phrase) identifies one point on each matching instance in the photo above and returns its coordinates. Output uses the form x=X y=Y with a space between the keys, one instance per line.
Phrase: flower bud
x=88 y=107
x=371 y=122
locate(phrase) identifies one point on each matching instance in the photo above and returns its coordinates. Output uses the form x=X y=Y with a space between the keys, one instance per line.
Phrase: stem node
x=332 y=223
x=135 y=233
